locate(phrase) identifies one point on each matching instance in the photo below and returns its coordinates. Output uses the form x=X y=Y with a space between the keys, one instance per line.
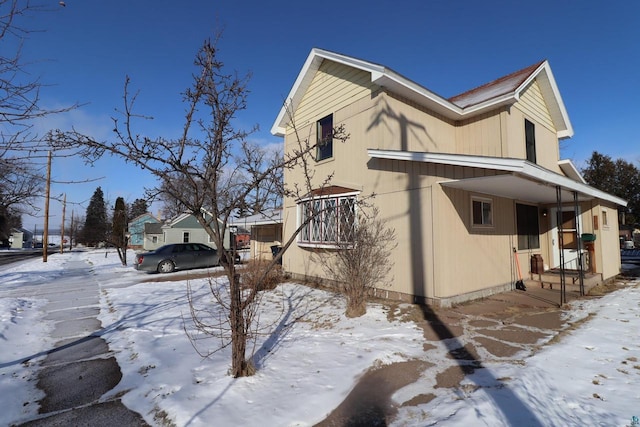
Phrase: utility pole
x=64 y=208
x=45 y=237
x=71 y=232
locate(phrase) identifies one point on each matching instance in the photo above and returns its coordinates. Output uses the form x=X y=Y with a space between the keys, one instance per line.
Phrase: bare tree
x=361 y=262
x=21 y=178
x=210 y=171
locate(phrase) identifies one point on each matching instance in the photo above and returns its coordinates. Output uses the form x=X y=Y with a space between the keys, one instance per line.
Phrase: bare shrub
x=257 y=274
x=361 y=263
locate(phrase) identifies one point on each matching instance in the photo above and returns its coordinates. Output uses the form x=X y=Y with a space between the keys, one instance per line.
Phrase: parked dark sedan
x=177 y=256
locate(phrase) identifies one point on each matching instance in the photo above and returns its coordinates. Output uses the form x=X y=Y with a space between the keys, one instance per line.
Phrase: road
x=8 y=257
x=79 y=370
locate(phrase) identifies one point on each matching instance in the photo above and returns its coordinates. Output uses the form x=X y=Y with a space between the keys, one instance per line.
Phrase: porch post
x=563 y=298
x=579 y=240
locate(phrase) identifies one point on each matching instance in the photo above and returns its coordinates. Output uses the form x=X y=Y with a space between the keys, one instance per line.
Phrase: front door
x=570 y=242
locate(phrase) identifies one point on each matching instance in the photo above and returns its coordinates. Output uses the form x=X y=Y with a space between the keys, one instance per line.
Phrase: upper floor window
x=482 y=212
x=530 y=140
x=324 y=149
x=329 y=220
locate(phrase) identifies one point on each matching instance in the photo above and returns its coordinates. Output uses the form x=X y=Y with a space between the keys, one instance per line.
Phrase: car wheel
x=166 y=266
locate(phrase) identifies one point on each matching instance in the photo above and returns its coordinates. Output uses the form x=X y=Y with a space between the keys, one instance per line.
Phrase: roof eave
x=380 y=75
x=395 y=82
x=518 y=166
x=550 y=91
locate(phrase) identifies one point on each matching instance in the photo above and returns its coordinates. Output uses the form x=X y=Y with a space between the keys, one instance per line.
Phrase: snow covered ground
x=313 y=356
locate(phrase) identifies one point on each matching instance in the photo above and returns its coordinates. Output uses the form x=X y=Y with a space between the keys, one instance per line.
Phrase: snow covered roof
x=503 y=91
x=499 y=87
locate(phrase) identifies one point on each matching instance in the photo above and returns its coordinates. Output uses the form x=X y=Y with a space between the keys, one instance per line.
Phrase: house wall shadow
x=513 y=409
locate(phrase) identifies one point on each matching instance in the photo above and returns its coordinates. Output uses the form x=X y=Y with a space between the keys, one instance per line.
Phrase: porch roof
x=515 y=178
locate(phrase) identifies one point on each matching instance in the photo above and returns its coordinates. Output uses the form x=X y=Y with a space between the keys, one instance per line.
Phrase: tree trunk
x=122 y=253
x=238 y=333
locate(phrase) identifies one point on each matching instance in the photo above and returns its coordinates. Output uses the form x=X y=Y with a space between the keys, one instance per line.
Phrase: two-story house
x=463 y=181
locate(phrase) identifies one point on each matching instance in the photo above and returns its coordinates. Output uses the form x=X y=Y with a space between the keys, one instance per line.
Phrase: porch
x=551 y=279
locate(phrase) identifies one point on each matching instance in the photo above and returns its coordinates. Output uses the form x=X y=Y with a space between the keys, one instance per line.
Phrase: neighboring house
x=463 y=181
x=153 y=237
x=242 y=237
x=20 y=238
x=185 y=229
x=136 y=229
x=625 y=234
x=266 y=231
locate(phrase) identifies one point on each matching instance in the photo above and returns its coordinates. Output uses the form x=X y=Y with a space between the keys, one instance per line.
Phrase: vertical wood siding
x=533 y=104
x=334 y=86
x=440 y=254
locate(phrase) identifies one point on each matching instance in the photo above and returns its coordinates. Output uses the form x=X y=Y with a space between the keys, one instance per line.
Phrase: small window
x=530 y=140
x=482 y=212
x=605 y=219
x=185 y=237
x=324 y=149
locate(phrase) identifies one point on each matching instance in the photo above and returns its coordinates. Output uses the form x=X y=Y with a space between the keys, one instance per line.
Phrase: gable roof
x=494 y=89
x=145 y=217
x=503 y=91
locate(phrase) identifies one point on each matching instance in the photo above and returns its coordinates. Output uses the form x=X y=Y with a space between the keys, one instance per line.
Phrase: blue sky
x=86 y=49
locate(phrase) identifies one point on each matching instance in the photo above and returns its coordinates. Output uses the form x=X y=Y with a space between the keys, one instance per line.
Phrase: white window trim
x=320 y=245
x=482 y=200
x=327 y=196
x=605 y=219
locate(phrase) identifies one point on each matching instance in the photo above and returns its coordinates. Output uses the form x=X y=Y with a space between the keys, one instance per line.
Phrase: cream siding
x=440 y=255
x=533 y=104
x=481 y=136
x=401 y=125
x=547 y=147
x=333 y=87
x=608 y=260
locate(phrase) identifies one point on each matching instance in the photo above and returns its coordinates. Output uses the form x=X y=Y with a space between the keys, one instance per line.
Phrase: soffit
x=523 y=172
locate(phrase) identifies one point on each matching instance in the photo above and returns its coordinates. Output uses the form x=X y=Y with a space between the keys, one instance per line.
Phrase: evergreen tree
x=137 y=208
x=620 y=178
x=95 y=224
x=119 y=229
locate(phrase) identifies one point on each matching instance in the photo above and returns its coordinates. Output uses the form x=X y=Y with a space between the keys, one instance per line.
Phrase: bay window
x=328 y=220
